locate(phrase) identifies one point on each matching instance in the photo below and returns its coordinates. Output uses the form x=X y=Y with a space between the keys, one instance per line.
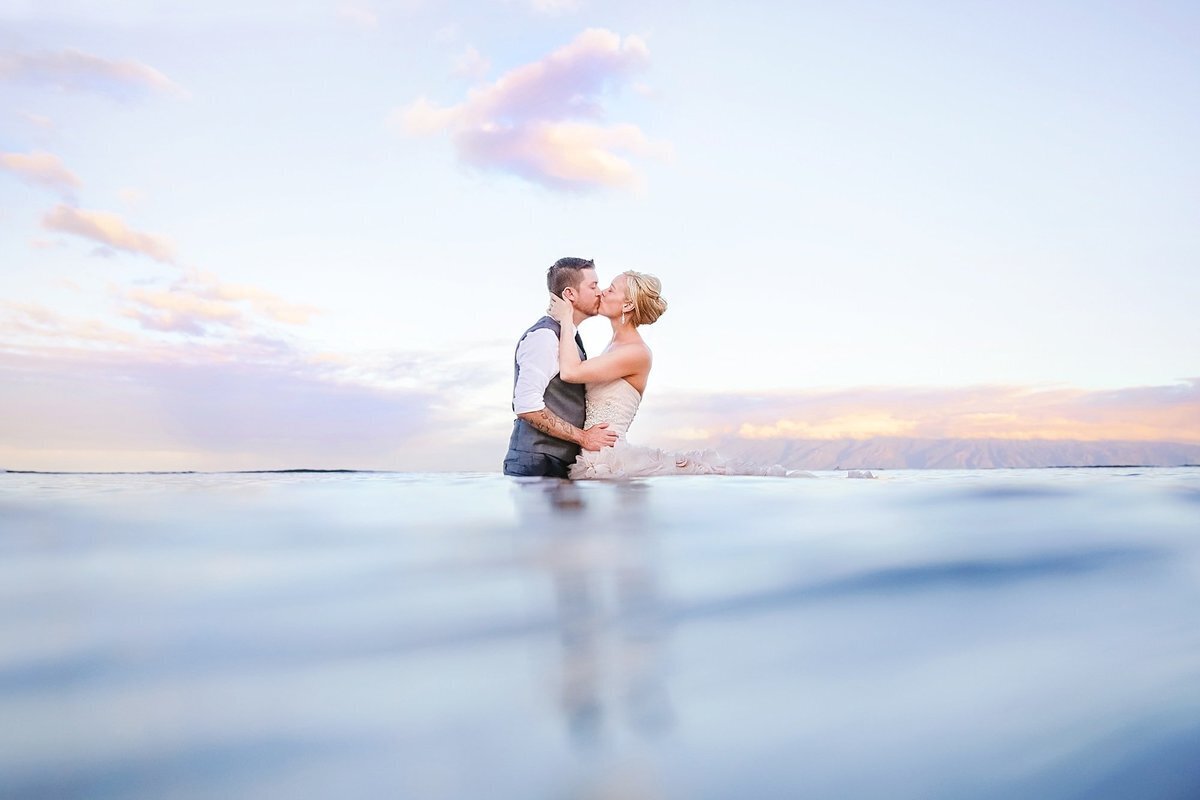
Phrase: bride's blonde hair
x=645 y=292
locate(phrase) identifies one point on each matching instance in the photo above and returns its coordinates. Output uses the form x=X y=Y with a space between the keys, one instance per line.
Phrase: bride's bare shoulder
x=635 y=349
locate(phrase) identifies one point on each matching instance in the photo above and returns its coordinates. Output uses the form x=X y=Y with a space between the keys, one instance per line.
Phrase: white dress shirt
x=537 y=359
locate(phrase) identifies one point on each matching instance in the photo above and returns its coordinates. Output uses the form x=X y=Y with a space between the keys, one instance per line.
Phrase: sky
x=308 y=234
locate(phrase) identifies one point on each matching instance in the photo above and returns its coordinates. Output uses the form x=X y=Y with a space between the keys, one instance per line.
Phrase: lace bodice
x=615 y=402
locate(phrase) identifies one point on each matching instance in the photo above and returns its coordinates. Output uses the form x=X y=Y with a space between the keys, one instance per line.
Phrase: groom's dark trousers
x=534 y=465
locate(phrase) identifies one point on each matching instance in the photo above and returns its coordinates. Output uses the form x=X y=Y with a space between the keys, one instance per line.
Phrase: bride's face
x=613 y=298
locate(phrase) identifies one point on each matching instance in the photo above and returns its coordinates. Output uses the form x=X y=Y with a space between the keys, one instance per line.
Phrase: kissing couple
x=573 y=411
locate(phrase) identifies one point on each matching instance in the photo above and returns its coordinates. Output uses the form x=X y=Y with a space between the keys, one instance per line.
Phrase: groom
x=547 y=433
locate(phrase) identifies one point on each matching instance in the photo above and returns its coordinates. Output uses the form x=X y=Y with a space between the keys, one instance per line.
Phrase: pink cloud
x=562 y=155
x=78 y=71
x=111 y=412
x=265 y=303
x=81 y=394
x=29 y=322
x=42 y=169
x=1156 y=413
x=199 y=303
x=84 y=396
x=196 y=304
x=107 y=229
x=179 y=312
x=541 y=121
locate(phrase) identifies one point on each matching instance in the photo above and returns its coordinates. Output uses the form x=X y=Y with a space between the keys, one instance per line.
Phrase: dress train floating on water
x=616 y=402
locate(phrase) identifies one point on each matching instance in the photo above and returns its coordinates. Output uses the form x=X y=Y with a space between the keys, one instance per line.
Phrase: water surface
x=959 y=634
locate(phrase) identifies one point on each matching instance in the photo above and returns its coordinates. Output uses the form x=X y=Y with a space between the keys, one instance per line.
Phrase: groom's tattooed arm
x=548 y=422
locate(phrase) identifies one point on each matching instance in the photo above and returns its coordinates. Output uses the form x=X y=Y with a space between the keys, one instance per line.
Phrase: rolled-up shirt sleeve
x=537 y=359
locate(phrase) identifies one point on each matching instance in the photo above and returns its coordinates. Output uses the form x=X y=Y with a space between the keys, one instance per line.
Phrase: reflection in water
x=601 y=558
x=600 y=551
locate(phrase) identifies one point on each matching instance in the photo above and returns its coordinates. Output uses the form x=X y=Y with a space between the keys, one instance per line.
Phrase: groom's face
x=586 y=296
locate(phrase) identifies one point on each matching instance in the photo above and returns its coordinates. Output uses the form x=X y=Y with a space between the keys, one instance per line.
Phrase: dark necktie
x=582 y=352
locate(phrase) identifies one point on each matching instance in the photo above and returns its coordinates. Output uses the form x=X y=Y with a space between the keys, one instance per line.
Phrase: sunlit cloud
x=108 y=230
x=96 y=411
x=90 y=395
x=85 y=395
x=41 y=169
x=1155 y=413
x=855 y=426
x=542 y=121
x=31 y=322
x=74 y=70
x=179 y=312
x=199 y=303
x=265 y=303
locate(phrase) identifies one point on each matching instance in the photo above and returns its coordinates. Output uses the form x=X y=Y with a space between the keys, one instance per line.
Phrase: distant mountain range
x=902 y=453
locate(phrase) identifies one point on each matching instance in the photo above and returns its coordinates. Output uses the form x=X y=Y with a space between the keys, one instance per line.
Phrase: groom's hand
x=597 y=437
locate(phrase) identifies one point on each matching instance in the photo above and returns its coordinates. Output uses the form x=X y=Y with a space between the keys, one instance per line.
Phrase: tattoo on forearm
x=548 y=422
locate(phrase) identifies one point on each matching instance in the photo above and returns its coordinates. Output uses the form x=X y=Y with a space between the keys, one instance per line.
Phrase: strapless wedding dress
x=616 y=402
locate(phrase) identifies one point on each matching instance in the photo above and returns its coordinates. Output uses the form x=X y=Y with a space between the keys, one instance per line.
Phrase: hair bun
x=645 y=292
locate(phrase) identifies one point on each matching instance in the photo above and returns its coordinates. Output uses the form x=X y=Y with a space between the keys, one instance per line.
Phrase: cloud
x=107 y=229
x=853 y=426
x=542 y=121
x=199 y=304
x=73 y=70
x=560 y=155
x=180 y=311
x=269 y=305
x=118 y=411
x=471 y=64
x=1145 y=414
x=24 y=322
x=42 y=169
x=84 y=395
x=196 y=303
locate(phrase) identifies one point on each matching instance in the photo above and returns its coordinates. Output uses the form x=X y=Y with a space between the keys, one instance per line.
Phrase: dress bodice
x=615 y=402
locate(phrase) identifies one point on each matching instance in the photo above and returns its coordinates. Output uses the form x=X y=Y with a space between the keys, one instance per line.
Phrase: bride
x=615 y=381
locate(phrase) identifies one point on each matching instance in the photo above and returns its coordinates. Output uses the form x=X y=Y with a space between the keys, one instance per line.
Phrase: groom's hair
x=566 y=272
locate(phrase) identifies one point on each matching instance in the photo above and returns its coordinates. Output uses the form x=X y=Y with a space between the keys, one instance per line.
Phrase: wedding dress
x=616 y=402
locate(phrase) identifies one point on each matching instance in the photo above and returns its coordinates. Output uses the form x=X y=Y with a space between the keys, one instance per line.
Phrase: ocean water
x=966 y=634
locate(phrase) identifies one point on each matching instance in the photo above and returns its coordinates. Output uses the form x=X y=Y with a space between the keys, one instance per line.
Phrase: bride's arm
x=620 y=362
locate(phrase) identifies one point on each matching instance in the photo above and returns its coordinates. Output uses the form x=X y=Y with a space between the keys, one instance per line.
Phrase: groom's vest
x=563 y=399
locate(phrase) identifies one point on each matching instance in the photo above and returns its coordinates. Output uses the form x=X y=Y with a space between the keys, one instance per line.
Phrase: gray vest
x=564 y=399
